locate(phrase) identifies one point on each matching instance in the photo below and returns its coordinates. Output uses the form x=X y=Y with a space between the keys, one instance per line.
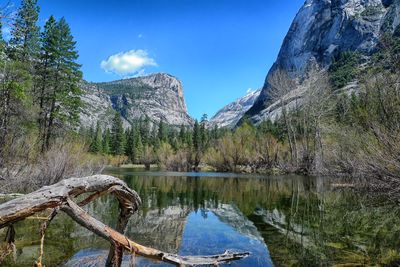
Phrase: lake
x=281 y=220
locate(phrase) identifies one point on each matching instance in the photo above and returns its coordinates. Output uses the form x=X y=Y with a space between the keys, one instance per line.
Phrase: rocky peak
x=324 y=28
x=158 y=96
x=229 y=115
x=163 y=80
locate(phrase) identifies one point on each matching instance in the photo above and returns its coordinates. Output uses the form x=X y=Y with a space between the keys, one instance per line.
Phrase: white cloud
x=249 y=90
x=128 y=63
x=7 y=33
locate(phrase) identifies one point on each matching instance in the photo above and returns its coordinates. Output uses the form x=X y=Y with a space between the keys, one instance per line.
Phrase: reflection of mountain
x=232 y=216
x=177 y=230
x=278 y=220
x=161 y=229
x=299 y=218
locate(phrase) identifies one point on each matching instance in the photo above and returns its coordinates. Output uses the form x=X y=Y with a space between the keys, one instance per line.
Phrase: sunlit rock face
x=229 y=115
x=324 y=28
x=157 y=96
x=97 y=107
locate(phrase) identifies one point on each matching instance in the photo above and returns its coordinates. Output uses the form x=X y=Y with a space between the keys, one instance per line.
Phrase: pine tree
x=189 y=138
x=197 y=144
x=203 y=132
x=59 y=74
x=106 y=142
x=214 y=133
x=154 y=141
x=25 y=32
x=96 y=145
x=173 y=140
x=196 y=136
x=117 y=136
x=45 y=66
x=162 y=132
x=138 y=147
x=145 y=130
x=130 y=144
x=204 y=118
x=14 y=83
x=182 y=135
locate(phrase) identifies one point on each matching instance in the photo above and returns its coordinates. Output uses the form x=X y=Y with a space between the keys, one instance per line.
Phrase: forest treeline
x=340 y=121
x=344 y=120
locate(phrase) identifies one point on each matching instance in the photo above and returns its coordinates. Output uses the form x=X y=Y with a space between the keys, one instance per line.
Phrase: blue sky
x=217 y=48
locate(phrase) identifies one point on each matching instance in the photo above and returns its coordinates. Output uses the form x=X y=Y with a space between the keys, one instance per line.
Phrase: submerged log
x=60 y=196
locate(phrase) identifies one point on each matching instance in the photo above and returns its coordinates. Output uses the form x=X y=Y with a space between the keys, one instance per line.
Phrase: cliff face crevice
x=321 y=30
x=158 y=96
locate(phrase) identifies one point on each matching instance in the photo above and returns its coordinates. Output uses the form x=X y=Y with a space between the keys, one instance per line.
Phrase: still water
x=282 y=221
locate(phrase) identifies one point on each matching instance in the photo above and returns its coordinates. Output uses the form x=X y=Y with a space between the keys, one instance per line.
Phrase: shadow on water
x=282 y=221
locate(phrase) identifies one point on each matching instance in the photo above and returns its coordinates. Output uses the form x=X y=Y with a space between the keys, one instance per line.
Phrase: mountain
x=229 y=115
x=323 y=29
x=158 y=96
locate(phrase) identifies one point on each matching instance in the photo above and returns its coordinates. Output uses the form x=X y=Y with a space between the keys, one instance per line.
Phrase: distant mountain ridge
x=229 y=115
x=158 y=96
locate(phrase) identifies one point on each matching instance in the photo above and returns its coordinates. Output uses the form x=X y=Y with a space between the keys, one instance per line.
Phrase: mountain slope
x=323 y=29
x=158 y=96
x=229 y=115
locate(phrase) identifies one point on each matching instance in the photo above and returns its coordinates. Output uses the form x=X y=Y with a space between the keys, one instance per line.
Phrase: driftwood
x=59 y=197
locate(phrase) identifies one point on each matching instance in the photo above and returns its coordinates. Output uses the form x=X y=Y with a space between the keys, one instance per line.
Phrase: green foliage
x=58 y=75
x=2 y=43
x=162 y=133
x=25 y=32
x=118 y=88
x=138 y=148
x=96 y=145
x=276 y=129
x=344 y=69
x=144 y=126
x=371 y=11
x=196 y=136
x=14 y=102
x=117 y=136
x=387 y=58
x=106 y=144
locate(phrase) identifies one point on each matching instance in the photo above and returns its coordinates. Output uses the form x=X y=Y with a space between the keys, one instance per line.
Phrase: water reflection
x=288 y=220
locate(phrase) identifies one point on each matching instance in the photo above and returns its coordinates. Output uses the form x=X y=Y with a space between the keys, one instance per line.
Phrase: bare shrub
x=167 y=159
x=62 y=161
x=147 y=157
x=117 y=160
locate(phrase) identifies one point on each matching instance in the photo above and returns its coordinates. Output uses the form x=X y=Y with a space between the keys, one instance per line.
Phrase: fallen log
x=60 y=196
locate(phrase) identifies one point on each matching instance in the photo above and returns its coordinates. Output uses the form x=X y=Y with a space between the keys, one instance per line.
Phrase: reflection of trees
x=301 y=221
x=329 y=228
x=312 y=224
x=28 y=242
x=201 y=192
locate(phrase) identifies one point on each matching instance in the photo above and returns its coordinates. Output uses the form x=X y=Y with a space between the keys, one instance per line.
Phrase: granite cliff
x=323 y=29
x=158 y=96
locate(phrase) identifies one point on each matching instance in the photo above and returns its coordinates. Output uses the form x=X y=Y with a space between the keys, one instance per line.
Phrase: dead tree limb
x=43 y=229
x=61 y=195
x=51 y=197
